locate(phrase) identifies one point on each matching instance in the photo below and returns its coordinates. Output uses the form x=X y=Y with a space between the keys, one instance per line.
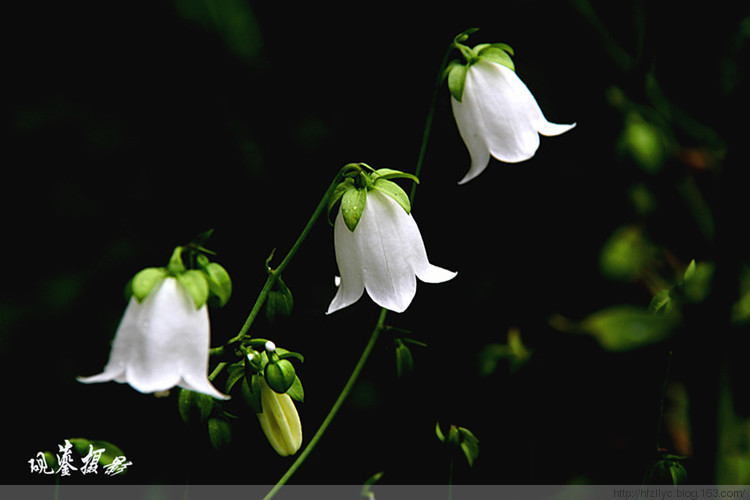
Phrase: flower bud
x=280 y=375
x=280 y=421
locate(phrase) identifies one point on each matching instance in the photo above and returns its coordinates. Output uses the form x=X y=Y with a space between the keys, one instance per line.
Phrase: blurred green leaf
x=219 y=432
x=194 y=406
x=623 y=328
x=404 y=360
x=233 y=20
x=626 y=254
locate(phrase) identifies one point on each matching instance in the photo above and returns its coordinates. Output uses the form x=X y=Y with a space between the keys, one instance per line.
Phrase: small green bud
x=279 y=302
x=280 y=375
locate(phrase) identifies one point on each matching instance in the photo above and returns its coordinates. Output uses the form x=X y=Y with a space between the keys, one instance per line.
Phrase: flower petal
x=351 y=284
x=468 y=121
x=408 y=233
x=506 y=110
x=388 y=276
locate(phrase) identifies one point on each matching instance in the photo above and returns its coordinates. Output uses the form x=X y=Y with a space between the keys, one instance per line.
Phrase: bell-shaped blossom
x=384 y=255
x=498 y=116
x=279 y=420
x=162 y=342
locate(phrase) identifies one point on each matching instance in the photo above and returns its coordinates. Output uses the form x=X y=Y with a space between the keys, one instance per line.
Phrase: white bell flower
x=384 y=255
x=498 y=116
x=161 y=342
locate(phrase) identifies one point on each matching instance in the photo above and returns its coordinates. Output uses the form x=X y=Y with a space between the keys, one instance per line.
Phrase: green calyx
x=456 y=70
x=202 y=279
x=358 y=179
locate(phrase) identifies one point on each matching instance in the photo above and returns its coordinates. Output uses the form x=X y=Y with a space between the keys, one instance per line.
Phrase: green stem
x=273 y=275
x=335 y=408
x=381 y=319
x=428 y=122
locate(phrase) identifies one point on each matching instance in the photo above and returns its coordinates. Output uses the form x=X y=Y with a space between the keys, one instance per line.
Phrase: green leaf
x=394 y=191
x=235 y=372
x=456 y=72
x=352 y=206
x=469 y=445
x=404 y=360
x=296 y=392
x=219 y=432
x=623 y=328
x=196 y=285
x=145 y=281
x=439 y=433
x=219 y=283
x=661 y=303
x=251 y=393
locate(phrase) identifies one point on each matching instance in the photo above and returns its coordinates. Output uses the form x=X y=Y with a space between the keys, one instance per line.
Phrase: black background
x=133 y=126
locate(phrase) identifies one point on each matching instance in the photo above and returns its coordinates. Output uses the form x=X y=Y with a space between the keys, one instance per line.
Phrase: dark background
x=133 y=126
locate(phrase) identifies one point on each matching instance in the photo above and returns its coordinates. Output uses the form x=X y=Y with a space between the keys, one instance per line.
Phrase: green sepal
x=194 y=406
x=145 y=281
x=219 y=283
x=196 y=285
x=353 y=206
x=498 y=55
x=456 y=74
x=296 y=392
x=495 y=46
x=389 y=173
x=394 y=191
x=284 y=354
x=280 y=375
x=335 y=197
x=219 y=432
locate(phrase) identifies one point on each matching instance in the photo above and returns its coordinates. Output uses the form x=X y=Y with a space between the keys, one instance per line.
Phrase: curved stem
x=381 y=319
x=428 y=122
x=335 y=408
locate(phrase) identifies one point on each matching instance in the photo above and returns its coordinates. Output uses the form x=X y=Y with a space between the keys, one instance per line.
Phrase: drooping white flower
x=162 y=342
x=384 y=255
x=279 y=420
x=498 y=116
